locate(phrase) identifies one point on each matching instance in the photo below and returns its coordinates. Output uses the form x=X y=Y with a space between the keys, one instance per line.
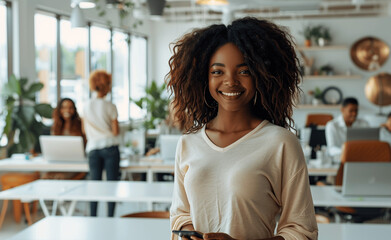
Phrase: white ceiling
x=188 y=10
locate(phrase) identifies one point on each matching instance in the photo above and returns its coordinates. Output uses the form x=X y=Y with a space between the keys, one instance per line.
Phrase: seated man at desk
x=336 y=128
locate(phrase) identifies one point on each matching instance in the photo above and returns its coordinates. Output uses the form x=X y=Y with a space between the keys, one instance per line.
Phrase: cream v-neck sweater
x=242 y=188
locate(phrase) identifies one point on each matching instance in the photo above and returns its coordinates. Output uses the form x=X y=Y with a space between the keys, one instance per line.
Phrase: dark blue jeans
x=108 y=159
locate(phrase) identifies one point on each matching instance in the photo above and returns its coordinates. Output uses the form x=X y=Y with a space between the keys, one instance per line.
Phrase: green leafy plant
x=318 y=93
x=307 y=32
x=124 y=7
x=155 y=103
x=325 y=33
x=23 y=116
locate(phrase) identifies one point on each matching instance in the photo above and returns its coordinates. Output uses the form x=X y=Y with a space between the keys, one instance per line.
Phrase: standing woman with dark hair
x=101 y=127
x=239 y=167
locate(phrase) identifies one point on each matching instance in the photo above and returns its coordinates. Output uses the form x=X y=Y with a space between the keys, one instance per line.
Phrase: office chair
x=153 y=214
x=11 y=180
x=318 y=119
x=361 y=151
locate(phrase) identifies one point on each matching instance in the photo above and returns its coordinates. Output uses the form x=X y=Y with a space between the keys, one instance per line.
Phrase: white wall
x=345 y=31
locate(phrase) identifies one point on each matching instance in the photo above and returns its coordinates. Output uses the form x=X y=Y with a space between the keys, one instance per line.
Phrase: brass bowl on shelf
x=378 y=89
x=369 y=53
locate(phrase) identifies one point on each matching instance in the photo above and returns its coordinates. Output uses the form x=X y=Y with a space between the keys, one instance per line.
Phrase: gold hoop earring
x=209 y=106
x=255 y=98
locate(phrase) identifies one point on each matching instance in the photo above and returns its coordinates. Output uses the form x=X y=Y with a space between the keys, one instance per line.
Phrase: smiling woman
x=238 y=166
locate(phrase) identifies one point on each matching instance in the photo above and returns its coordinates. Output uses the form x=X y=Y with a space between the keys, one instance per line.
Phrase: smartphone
x=187 y=234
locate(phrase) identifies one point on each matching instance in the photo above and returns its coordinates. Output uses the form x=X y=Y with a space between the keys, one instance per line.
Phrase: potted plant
x=317 y=96
x=307 y=33
x=23 y=116
x=155 y=103
x=326 y=70
x=324 y=36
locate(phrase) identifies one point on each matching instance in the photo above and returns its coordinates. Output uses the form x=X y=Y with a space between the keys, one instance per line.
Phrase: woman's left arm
x=297 y=220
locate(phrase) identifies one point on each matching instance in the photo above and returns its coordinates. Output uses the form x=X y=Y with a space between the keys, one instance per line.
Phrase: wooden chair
x=361 y=151
x=318 y=119
x=153 y=214
x=11 y=180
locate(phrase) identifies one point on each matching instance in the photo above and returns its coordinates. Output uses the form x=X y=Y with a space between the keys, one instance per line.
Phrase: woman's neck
x=234 y=121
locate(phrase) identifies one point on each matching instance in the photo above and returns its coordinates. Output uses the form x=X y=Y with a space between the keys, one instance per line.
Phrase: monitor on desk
x=62 y=148
x=368 y=133
x=367 y=179
x=168 y=145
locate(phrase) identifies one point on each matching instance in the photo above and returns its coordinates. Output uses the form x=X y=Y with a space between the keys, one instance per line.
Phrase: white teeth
x=231 y=94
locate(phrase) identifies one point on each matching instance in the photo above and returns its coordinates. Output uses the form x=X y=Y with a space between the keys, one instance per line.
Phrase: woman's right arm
x=180 y=208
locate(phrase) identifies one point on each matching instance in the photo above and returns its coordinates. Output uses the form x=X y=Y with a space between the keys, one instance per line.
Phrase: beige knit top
x=241 y=189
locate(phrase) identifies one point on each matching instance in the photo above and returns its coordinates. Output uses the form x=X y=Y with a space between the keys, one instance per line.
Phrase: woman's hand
x=217 y=236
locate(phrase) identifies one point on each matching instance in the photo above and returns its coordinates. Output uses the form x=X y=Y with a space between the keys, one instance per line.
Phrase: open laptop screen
x=362 y=134
x=62 y=148
x=367 y=179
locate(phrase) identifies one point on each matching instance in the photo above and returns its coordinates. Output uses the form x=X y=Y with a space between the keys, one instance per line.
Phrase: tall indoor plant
x=22 y=115
x=155 y=103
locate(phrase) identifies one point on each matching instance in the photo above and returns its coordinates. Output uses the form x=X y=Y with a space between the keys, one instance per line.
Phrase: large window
x=65 y=55
x=45 y=60
x=138 y=73
x=3 y=56
x=73 y=81
x=100 y=48
x=120 y=89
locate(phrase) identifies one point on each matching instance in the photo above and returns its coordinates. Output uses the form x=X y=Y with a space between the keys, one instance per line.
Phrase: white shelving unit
x=332 y=77
x=325 y=48
x=320 y=106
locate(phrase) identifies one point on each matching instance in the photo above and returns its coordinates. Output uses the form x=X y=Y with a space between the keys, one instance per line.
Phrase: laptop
x=62 y=148
x=367 y=179
x=168 y=145
x=362 y=134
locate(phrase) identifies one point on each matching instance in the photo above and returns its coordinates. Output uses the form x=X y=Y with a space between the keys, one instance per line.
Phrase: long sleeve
x=180 y=208
x=297 y=220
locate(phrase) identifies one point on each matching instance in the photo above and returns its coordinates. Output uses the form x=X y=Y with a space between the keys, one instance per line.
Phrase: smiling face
x=230 y=83
x=67 y=110
x=349 y=113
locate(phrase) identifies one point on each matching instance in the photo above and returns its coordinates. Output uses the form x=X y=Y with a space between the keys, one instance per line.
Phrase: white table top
x=39 y=164
x=86 y=228
x=89 y=228
x=328 y=196
x=86 y=190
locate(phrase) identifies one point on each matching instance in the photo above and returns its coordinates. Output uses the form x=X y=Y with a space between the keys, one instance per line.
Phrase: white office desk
x=39 y=164
x=89 y=228
x=328 y=196
x=84 y=190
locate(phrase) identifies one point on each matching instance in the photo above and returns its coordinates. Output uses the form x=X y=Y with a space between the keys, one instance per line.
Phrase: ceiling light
x=83 y=3
x=156 y=7
x=77 y=18
x=212 y=2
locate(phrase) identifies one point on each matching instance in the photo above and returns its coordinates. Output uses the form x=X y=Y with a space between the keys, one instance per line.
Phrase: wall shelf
x=320 y=106
x=332 y=77
x=325 y=48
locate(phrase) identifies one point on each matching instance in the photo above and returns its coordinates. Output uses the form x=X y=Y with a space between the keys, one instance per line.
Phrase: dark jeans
x=108 y=159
